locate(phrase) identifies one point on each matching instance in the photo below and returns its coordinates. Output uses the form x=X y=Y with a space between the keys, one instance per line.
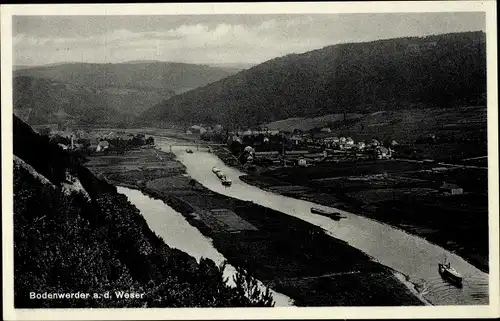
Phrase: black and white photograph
x=221 y=156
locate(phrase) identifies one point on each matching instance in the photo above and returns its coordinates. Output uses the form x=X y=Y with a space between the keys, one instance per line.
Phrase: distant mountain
x=130 y=87
x=435 y=71
x=40 y=100
x=17 y=67
x=237 y=66
x=140 y=74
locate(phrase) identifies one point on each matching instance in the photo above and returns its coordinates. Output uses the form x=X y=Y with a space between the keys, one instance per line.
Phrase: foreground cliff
x=78 y=243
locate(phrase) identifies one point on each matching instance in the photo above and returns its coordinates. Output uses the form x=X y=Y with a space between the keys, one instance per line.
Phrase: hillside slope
x=127 y=88
x=73 y=233
x=436 y=71
x=40 y=100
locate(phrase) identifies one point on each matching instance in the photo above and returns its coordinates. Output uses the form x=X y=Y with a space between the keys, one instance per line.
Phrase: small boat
x=333 y=215
x=226 y=181
x=449 y=273
x=189 y=151
x=215 y=170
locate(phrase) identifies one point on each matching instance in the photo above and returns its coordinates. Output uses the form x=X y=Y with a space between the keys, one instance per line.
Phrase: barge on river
x=333 y=215
x=223 y=178
x=449 y=273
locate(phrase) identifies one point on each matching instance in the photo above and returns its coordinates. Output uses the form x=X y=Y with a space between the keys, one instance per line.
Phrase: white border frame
x=7 y=11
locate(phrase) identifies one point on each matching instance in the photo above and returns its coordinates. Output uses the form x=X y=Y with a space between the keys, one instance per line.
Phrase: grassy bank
x=289 y=255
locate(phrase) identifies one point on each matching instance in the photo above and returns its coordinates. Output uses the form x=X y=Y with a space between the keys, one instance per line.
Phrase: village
x=94 y=141
x=262 y=146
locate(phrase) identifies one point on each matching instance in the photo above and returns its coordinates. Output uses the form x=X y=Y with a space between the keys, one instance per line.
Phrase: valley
x=351 y=175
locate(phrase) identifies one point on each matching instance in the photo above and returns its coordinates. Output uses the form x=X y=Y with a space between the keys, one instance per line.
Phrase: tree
x=45 y=131
x=248 y=286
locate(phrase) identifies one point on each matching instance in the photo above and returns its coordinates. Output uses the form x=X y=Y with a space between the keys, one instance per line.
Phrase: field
x=306 y=124
x=132 y=165
x=282 y=251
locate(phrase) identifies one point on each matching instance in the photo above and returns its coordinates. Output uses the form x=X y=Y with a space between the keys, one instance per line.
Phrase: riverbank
x=287 y=254
x=409 y=202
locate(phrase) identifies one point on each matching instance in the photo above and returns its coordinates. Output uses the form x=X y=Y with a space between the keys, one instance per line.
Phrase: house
x=188 y=132
x=246 y=133
x=451 y=189
x=77 y=146
x=218 y=129
x=302 y=162
x=326 y=130
x=296 y=139
x=111 y=135
x=349 y=141
x=249 y=149
x=64 y=147
x=79 y=134
x=103 y=145
x=383 y=153
x=234 y=138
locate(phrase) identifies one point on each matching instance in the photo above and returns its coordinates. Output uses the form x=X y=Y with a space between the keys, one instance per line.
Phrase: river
x=410 y=255
x=177 y=233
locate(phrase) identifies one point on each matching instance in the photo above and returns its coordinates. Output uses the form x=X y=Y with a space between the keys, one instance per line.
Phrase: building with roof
x=451 y=189
x=383 y=153
x=103 y=145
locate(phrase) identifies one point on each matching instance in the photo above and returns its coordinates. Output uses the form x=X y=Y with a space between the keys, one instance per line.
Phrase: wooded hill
x=42 y=101
x=436 y=71
x=125 y=88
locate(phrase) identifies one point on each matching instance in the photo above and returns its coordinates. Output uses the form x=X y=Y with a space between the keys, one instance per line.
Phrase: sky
x=214 y=39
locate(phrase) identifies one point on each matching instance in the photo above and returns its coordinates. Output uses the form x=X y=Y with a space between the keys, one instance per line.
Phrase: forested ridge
x=437 y=71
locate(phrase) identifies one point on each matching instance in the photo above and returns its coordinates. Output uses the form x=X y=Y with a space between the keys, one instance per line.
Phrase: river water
x=410 y=255
x=178 y=233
